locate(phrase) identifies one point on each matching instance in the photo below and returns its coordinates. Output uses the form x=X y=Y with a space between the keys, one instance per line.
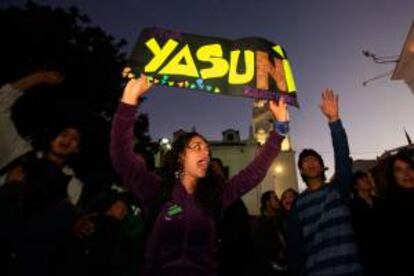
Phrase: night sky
x=324 y=40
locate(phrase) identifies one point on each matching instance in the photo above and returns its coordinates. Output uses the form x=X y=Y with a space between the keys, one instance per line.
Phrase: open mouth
x=203 y=163
x=63 y=146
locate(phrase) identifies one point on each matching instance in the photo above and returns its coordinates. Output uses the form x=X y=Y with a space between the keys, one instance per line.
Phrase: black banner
x=249 y=67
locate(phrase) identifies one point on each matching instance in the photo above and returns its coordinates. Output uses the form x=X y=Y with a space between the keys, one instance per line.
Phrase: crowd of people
x=187 y=218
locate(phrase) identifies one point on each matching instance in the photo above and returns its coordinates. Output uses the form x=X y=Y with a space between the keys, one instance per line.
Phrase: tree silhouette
x=38 y=37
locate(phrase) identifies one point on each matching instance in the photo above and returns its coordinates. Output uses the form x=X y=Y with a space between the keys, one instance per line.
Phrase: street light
x=278 y=169
x=165 y=144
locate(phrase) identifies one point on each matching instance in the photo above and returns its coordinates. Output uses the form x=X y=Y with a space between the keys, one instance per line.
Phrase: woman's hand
x=279 y=110
x=134 y=90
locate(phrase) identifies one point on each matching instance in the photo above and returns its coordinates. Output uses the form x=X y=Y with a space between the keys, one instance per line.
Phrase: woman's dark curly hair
x=209 y=188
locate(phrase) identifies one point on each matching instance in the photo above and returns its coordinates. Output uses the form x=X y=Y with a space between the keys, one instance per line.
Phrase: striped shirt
x=327 y=234
x=320 y=231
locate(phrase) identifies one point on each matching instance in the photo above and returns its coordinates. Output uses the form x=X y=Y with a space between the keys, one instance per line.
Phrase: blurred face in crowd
x=66 y=143
x=196 y=158
x=273 y=202
x=287 y=200
x=404 y=174
x=16 y=175
x=364 y=185
x=311 y=167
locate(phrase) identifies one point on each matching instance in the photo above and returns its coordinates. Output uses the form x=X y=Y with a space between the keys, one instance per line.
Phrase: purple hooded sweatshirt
x=182 y=240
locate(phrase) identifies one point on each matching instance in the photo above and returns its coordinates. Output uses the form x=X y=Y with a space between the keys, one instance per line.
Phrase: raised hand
x=279 y=110
x=134 y=89
x=329 y=105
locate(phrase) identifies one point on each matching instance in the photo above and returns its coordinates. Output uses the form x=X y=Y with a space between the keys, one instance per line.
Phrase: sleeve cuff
x=336 y=126
x=282 y=128
x=127 y=110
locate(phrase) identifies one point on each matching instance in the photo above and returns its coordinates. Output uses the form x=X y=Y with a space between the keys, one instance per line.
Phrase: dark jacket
x=235 y=252
x=367 y=222
x=270 y=245
x=36 y=218
x=398 y=229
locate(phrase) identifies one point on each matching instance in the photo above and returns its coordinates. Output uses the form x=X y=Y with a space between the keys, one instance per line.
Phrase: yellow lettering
x=213 y=54
x=279 y=50
x=291 y=86
x=176 y=67
x=160 y=54
x=234 y=76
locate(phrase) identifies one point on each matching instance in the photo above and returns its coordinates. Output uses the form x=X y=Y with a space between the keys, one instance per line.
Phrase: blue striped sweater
x=325 y=243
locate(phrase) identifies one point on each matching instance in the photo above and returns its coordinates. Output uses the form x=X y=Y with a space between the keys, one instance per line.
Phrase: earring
x=179 y=174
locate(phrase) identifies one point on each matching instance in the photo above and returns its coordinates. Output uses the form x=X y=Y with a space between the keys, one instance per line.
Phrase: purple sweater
x=182 y=241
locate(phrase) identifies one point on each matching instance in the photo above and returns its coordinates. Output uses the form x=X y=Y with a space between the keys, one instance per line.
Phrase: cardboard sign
x=249 y=67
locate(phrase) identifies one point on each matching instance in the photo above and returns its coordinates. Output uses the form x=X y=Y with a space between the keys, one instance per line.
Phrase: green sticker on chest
x=175 y=210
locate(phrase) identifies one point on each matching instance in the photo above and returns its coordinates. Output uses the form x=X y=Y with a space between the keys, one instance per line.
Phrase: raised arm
x=12 y=145
x=254 y=173
x=343 y=162
x=10 y=92
x=132 y=168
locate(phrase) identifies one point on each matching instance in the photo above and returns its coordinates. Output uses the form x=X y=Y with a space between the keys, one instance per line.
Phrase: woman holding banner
x=187 y=199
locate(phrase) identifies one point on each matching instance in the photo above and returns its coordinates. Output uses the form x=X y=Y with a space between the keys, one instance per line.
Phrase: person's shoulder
x=310 y=194
x=331 y=191
x=310 y=198
x=303 y=196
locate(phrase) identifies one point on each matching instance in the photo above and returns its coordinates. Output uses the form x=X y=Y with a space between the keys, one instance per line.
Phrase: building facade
x=236 y=154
